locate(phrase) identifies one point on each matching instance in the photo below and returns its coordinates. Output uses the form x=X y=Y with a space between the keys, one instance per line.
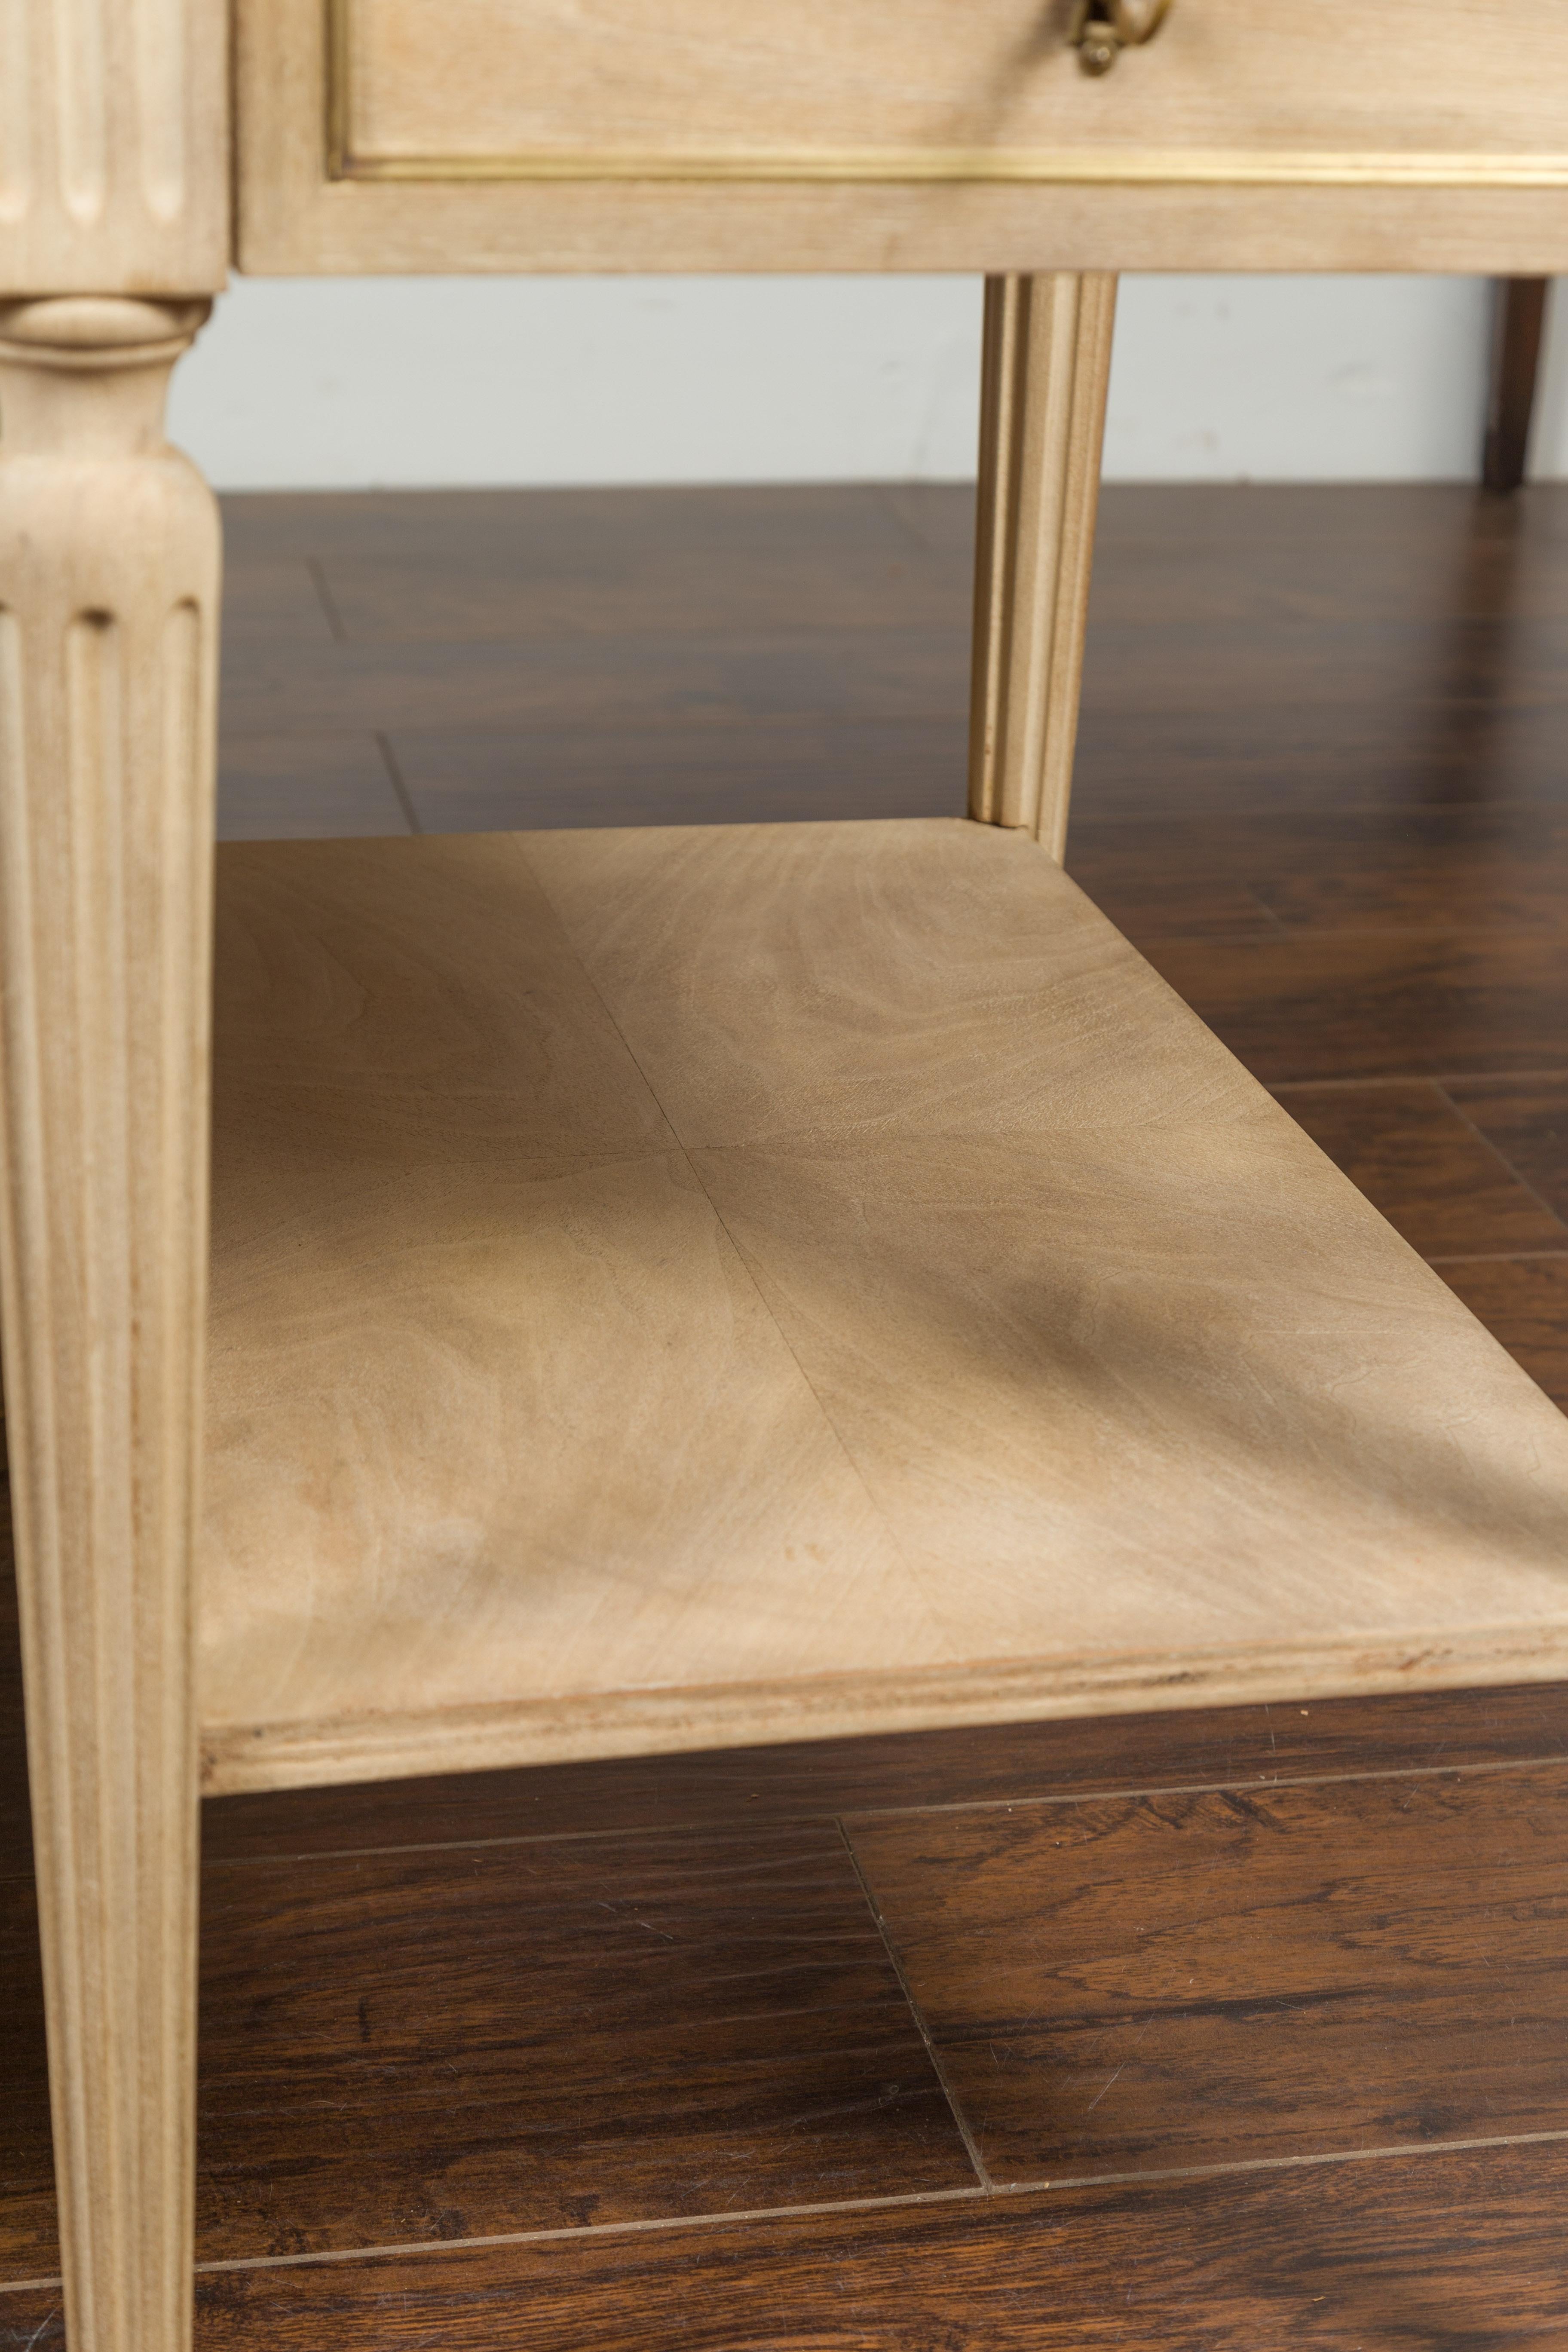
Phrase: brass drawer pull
x=1101 y=29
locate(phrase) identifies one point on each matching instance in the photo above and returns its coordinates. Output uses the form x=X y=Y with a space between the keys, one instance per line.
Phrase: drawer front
x=1230 y=92
x=899 y=134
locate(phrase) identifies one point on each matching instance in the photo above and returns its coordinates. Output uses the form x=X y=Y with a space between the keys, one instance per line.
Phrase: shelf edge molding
x=238 y=1760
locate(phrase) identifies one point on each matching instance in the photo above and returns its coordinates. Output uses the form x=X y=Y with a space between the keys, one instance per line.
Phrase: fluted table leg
x=108 y=581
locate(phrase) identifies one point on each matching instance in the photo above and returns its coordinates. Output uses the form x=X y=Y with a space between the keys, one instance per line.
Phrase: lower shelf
x=684 y=1288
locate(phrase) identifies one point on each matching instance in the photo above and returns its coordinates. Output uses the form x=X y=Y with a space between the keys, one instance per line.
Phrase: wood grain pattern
x=114 y=142
x=866 y=984
x=1045 y=374
x=353 y=2136
x=557 y=1177
x=548 y=2037
x=912 y=1074
x=741 y=1788
x=577 y=2035
x=108 y=580
x=726 y=89
x=1376 y=2255
x=323 y=2111
x=1129 y=209
x=1104 y=2001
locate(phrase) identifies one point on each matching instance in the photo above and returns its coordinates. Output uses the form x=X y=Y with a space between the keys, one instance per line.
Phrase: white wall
x=1299 y=379
x=349 y=383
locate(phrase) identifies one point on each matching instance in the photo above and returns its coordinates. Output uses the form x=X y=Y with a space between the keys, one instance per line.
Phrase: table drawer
x=958 y=90
x=886 y=135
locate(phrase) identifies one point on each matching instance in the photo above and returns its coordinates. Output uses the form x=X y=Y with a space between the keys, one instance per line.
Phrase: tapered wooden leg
x=1519 y=322
x=1045 y=368
x=108 y=575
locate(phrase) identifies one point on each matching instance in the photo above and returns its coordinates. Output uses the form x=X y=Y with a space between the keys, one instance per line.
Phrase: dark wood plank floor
x=1221 y=2032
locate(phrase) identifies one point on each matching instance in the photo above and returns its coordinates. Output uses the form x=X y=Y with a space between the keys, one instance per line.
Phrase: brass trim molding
x=1069 y=167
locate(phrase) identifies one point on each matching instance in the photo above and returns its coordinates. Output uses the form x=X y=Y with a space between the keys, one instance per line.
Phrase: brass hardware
x=1098 y=49
x=1101 y=29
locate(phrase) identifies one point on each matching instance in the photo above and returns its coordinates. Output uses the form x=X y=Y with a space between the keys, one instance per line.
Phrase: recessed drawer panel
x=1279 y=90
x=899 y=134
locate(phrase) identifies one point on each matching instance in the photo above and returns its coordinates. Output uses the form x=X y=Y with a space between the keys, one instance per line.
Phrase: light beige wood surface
x=738 y=87
x=113 y=146
x=702 y=1286
x=668 y=1289
x=1044 y=372
x=719 y=134
x=109 y=582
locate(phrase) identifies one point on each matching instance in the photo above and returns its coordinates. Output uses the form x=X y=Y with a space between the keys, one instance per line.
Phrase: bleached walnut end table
x=666 y=1288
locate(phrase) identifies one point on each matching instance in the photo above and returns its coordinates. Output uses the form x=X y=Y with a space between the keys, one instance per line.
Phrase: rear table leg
x=1047 y=365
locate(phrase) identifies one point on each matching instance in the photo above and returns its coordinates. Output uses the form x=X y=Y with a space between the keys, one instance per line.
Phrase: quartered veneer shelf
x=676 y=1287
x=667 y=1288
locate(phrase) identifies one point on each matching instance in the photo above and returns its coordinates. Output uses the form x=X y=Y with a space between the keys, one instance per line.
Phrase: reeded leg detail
x=108 y=585
x=1045 y=369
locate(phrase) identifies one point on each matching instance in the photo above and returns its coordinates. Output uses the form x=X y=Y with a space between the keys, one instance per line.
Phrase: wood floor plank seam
x=980 y=2194
x=326 y=600
x=1498 y=1258
x=449 y=2108
x=889 y=504
x=1210 y=1788
x=1503 y=1161
x=1111 y=1793
x=1274 y=1973
x=578 y=2233
x=1398 y=2150
x=399 y=783
x=932 y=2053
x=1416 y=1079
x=572 y=2231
